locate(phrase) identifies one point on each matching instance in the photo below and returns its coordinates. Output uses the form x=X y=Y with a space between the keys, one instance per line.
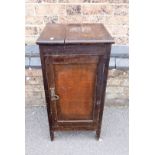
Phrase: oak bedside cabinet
x=75 y=61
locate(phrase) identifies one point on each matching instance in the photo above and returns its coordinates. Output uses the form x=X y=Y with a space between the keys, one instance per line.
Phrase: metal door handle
x=54 y=97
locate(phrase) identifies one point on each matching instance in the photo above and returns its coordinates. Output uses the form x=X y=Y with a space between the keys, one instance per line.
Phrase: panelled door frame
x=97 y=98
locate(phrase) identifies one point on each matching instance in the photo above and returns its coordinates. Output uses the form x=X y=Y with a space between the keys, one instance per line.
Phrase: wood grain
x=75 y=85
x=74 y=34
x=75 y=63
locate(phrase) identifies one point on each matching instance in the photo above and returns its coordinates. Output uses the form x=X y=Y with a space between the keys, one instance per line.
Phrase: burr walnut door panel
x=72 y=79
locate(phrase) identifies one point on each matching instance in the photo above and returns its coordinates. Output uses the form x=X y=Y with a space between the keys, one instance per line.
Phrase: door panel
x=75 y=86
x=75 y=82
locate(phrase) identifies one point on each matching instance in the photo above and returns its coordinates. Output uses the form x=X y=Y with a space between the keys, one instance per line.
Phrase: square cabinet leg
x=98 y=132
x=52 y=135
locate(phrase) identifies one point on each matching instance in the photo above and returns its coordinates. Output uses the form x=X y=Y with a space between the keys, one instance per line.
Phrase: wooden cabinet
x=75 y=60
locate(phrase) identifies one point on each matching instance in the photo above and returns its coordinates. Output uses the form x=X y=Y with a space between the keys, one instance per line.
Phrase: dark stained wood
x=52 y=34
x=74 y=59
x=47 y=97
x=103 y=74
x=87 y=33
x=76 y=65
x=75 y=128
x=74 y=34
x=75 y=49
x=51 y=84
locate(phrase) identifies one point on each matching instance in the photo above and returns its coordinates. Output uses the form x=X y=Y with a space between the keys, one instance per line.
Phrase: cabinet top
x=74 y=33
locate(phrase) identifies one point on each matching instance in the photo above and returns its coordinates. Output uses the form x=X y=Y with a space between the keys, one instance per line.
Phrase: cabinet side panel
x=75 y=85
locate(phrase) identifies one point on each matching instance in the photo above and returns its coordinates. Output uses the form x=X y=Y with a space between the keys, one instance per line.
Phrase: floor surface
x=114 y=135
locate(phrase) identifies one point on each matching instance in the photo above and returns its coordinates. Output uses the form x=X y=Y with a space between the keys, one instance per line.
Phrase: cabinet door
x=72 y=87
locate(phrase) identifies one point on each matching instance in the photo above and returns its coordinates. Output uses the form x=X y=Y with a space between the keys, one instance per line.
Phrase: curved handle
x=54 y=97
